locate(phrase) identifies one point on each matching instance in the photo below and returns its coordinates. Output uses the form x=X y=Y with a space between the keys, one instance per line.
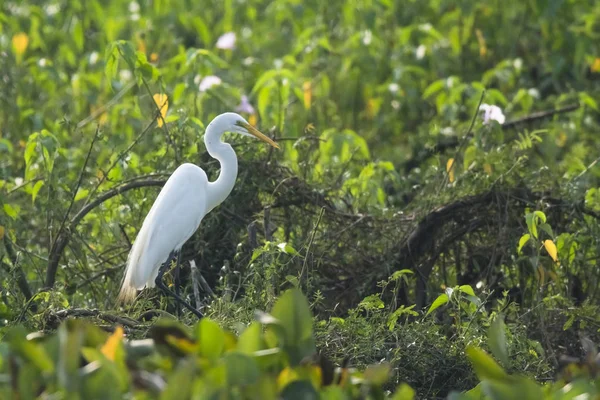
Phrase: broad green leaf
x=497 y=340
x=440 y=301
x=210 y=337
x=241 y=369
x=484 y=365
x=294 y=314
x=467 y=289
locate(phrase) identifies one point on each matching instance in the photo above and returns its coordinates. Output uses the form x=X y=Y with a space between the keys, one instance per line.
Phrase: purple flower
x=245 y=106
x=492 y=113
x=209 y=81
x=226 y=41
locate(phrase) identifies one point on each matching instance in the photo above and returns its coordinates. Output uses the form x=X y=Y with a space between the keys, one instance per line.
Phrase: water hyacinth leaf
x=299 y=390
x=241 y=369
x=293 y=312
x=210 y=338
x=251 y=339
x=181 y=381
x=440 y=301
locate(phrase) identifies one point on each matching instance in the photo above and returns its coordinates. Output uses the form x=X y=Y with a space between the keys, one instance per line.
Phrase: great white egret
x=184 y=200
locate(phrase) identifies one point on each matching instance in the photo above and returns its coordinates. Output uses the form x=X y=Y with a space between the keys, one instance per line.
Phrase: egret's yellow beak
x=258 y=134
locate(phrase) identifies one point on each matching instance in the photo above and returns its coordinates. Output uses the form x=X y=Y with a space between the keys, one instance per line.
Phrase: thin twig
x=310 y=242
x=195 y=283
x=63 y=240
x=106 y=106
x=118 y=159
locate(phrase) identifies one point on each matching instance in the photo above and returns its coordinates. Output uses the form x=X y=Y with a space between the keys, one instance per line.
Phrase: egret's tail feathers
x=133 y=278
x=127 y=294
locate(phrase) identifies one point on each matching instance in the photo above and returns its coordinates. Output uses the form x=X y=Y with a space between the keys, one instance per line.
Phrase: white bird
x=185 y=199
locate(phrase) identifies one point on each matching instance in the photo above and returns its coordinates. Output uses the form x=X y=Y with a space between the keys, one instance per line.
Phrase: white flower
x=367 y=37
x=125 y=75
x=134 y=7
x=492 y=113
x=226 y=41
x=421 y=51
x=52 y=9
x=533 y=92
x=393 y=87
x=245 y=106
x=209 y=81
x=94 y=58
x=18 y=181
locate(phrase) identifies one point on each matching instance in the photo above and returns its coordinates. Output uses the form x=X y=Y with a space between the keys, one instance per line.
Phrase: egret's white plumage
x=181 y=204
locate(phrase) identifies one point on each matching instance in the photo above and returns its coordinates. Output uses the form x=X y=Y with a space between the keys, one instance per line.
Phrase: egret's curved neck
x=223 y=152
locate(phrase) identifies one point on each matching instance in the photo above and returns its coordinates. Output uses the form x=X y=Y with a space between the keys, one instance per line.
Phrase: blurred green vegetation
x=410 y=219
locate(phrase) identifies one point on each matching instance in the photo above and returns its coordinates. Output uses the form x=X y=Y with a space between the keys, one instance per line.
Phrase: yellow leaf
x=20 y=42
x=487 y=168
x=551 y=249
x=252 y=120
x=286 y=376
x=596 y=65
x=561 y=140
x=162 y=102
x=482 y=46
x=450 y=169
x=2 y=230
x=141 y=45
x=307 y=89
x=110 y=347
x=183 y=344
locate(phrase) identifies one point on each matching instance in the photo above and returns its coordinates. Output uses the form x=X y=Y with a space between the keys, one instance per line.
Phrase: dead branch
x=63 y=239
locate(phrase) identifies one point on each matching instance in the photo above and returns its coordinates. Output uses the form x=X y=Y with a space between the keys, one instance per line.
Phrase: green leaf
x=294 y=314
x=484 y=365
x=440 y=301
x=467 y=289
x=36 y=189
x=180 y=381
x=523 y=241
x=497 y=340
x=299 y=390
x=251 y=339
x=287 y=248
x=404 y=392
x=241 y=369
x=12 y=210
x=210 y=338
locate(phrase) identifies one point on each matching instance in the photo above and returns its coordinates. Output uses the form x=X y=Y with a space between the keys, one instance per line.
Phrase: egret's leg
x=159 y=282
x=177 y=279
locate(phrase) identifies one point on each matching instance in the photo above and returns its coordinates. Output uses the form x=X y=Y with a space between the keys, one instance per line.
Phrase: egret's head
x=232 y=122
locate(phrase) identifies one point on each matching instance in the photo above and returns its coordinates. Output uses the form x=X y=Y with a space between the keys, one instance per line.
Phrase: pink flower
x=226 y=41
x=245 y=106
x=209 y=81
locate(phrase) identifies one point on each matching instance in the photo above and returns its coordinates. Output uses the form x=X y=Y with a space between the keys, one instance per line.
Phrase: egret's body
x=180 y=206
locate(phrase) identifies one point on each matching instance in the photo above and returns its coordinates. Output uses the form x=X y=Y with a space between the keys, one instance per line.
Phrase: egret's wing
x=173 y=218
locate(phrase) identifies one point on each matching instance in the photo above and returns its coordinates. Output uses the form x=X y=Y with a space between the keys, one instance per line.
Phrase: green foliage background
x=371 y=102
